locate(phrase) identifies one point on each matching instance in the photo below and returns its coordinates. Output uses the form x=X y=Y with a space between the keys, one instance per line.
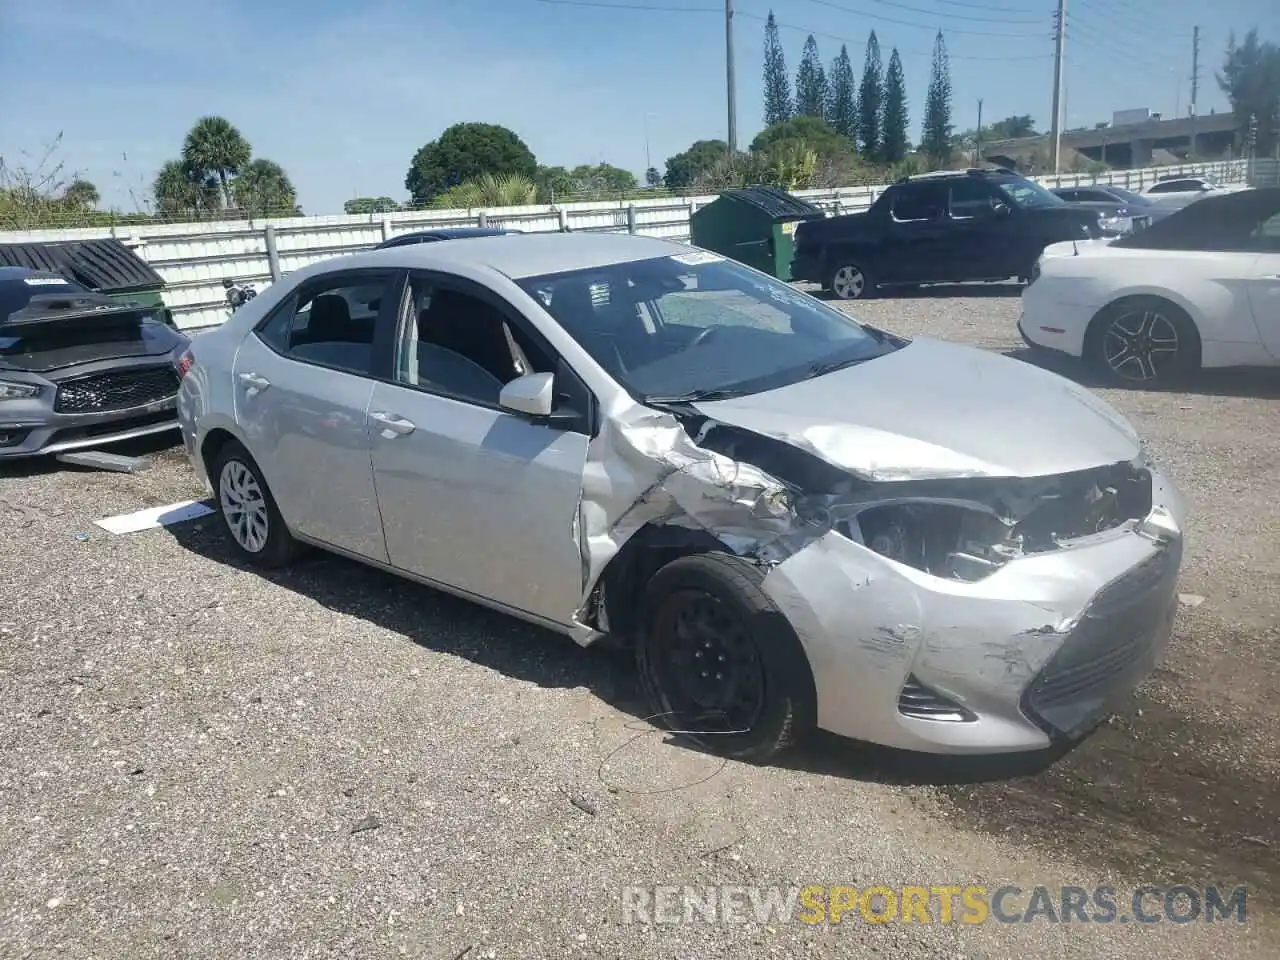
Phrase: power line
x=921 y=26
x=904 y=53
x=939 y=13
x=1129 y=21
x=657 y=8
x=982 y=6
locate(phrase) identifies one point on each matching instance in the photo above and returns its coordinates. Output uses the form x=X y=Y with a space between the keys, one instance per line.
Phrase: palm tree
x=489 y=190
x=215 y=148
x=263 y=188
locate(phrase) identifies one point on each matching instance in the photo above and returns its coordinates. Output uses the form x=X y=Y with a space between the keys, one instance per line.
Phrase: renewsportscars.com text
x=968 y=904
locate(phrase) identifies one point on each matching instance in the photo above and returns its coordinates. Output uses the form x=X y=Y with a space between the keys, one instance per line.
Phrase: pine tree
x=893 y=137
x=936 y=135
x=842 y=109
x=871 y=100
x=811 y=82
x=777 y=85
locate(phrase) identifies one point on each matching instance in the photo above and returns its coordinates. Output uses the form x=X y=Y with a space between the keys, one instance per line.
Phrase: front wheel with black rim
x=850 y=281
x=719 y=661
x=249 y=512
x=1144 y=340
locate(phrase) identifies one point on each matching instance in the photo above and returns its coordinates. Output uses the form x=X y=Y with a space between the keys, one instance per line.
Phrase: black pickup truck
x=939 y=228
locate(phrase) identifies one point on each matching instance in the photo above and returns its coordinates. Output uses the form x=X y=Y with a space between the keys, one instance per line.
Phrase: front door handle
x=254 y=384
x=392 y=424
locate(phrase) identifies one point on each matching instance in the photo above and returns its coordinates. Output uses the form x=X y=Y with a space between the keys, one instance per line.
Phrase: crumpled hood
x=935 y=410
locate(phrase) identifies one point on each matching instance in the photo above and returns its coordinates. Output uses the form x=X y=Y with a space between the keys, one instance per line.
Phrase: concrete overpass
x=1131 y=145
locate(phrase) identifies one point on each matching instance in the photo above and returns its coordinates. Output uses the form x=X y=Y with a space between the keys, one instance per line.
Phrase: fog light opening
x=922 y=702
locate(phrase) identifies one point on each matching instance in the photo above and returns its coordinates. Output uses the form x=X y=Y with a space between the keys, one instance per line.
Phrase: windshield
x=698 y=325
x=1028 y=194
x=16 y=293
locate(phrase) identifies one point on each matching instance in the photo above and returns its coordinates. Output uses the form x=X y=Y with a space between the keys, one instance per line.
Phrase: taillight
x=185 y=362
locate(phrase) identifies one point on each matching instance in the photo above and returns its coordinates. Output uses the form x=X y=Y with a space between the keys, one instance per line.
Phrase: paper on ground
x=155 y=517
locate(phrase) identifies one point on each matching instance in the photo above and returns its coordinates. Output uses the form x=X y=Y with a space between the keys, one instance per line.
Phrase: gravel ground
x=200 y=761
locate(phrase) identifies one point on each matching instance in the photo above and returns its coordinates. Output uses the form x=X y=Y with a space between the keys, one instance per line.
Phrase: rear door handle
x=392 y=424
x=254 y=383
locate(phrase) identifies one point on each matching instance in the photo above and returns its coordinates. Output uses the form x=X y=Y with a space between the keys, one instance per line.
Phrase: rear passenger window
x=330 y=324
x=971 y=200
x=924 y=202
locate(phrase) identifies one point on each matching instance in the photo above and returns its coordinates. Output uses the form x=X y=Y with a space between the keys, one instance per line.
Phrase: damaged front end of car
x=939 y=613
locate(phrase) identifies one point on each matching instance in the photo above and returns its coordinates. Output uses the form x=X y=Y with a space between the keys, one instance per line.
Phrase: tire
x=266 y=541
x=729 y=616
x=1143 y=324
x=850 y=281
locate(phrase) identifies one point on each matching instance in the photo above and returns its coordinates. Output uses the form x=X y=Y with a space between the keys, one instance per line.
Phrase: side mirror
x=533 y=394
x=1003 y=210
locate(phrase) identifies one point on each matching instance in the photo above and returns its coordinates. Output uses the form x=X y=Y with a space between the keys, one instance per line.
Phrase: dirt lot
x=200 y=761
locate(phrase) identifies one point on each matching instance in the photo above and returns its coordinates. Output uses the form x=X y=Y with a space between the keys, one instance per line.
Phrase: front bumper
x=1039 y=652
x=808 y=268
x=53 y=433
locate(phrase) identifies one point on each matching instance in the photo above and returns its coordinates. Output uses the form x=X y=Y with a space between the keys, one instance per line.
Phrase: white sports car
x=1173 y=193
x=1197 y=289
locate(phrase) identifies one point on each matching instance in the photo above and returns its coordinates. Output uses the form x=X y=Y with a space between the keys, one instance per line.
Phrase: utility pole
x=1195 y=84
x=728 y=63
x=977 y=153
x=1055 y=142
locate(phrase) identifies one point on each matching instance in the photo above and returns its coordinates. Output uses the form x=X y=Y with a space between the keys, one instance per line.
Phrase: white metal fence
x=194 y=258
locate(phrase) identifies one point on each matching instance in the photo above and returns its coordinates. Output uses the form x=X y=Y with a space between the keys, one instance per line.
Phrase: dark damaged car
x=798 y=520
x=79 y=369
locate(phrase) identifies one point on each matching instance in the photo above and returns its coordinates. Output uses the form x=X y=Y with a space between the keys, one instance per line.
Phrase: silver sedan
x=797 y=520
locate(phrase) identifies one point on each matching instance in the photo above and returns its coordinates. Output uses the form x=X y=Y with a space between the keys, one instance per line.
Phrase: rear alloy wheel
x=1145 y=340
x=248 y=511
x=719 y=661
x=850 y=282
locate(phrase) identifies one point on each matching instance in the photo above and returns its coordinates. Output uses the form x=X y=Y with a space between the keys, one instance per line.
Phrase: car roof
x=516 y=255
x=456 y=233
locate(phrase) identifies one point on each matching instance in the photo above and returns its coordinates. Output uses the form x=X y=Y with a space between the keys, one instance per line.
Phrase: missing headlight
x=942 y=539
x=968 y=529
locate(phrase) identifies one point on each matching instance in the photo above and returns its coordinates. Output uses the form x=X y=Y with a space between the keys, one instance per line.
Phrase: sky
x=343 y=94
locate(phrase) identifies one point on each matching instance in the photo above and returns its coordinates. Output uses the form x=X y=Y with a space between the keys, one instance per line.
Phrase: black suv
x=939 y=228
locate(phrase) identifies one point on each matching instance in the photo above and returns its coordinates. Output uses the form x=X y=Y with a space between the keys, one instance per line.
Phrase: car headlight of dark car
x=12 y=390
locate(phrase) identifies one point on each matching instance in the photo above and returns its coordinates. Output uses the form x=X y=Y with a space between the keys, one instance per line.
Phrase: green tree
x=1250 y=78
x=358 y=205
x=554 y=183
x=777 y=85
x=893 y=137
x=652 y=177
x=811 y=82
x=215 y=148
x=871 y=100
x=80 y=195
x=936 y=135
x=684 y=168
x=465 y=152
x=842 y=111
x=602 y=179
x=181 y=191
x=814 y=131
x=263 y=189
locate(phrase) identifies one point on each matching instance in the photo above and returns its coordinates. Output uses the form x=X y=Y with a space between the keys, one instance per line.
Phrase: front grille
x=1112 y=644
x=118 y=390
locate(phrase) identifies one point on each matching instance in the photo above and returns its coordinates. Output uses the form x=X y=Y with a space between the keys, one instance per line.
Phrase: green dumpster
x=755 y=226
x=104 y=265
